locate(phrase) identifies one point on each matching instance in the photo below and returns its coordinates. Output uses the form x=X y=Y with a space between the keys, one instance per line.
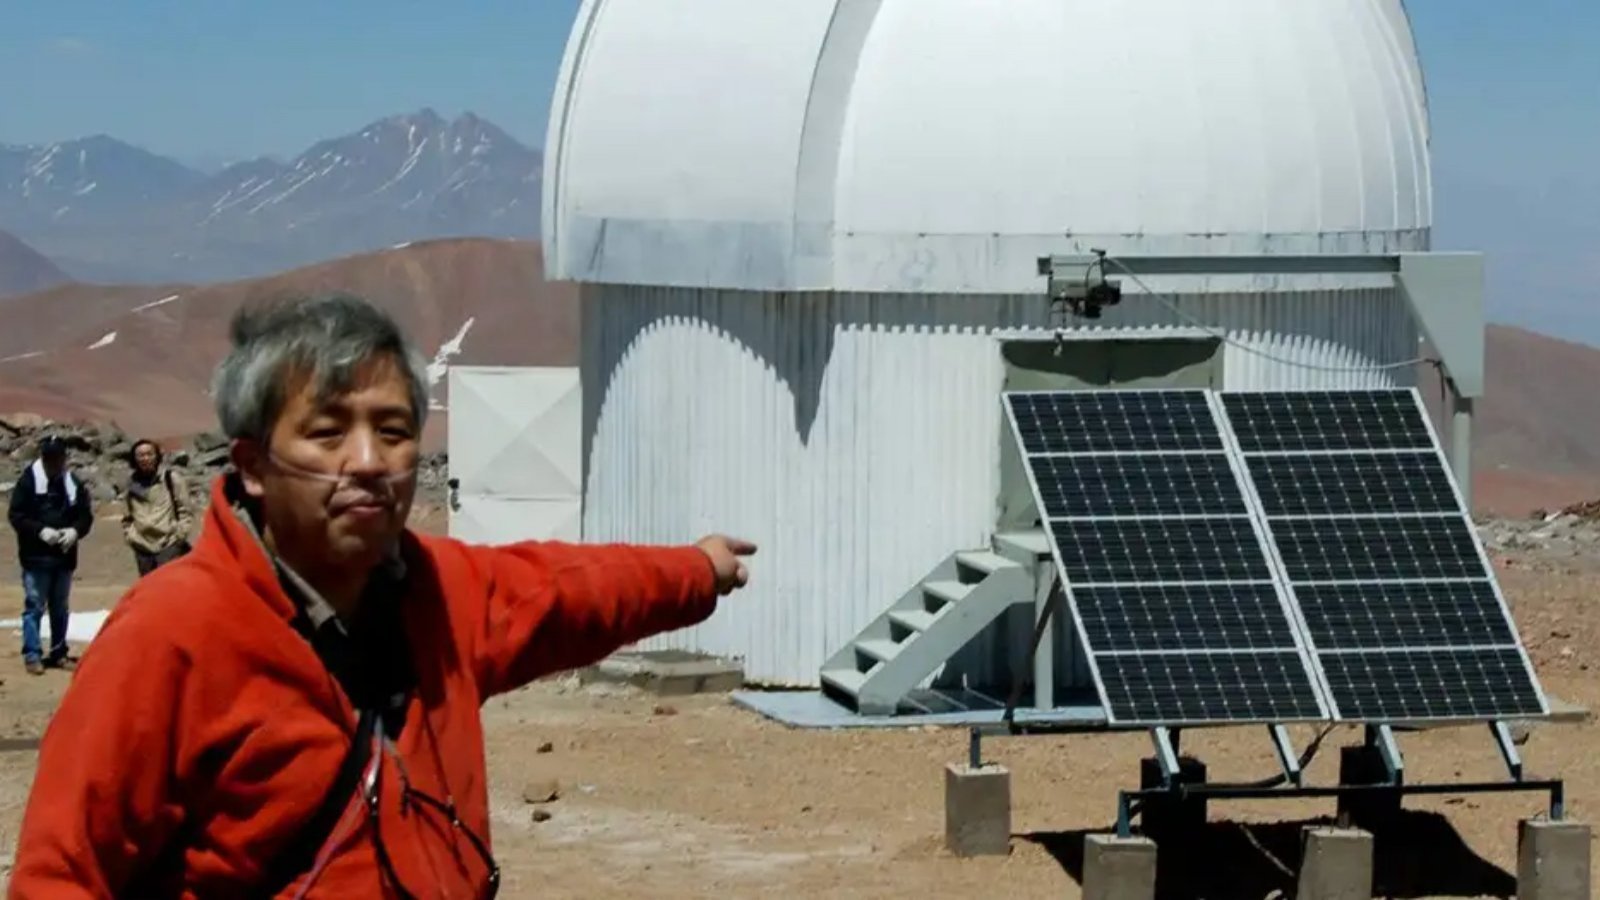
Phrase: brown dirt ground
x=695 y=797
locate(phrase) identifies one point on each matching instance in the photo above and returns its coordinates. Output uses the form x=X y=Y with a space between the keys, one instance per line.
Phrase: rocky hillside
x=1537 y=437
x=24 y=270
x=101 y=458
x=142 y=357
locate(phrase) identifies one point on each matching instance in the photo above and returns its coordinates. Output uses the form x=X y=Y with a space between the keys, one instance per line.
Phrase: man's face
x=54 y=461
x=338 y=476
x=144 y=458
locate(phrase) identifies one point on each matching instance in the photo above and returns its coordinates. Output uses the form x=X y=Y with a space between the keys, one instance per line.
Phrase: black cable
x=1305 y=760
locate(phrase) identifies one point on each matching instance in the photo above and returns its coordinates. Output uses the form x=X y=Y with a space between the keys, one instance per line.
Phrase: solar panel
x=1166 y=571
x=1266 y=421
x=1353 y=483
x=1114 y=421
x=1200 y=484
x=1380 y=556
x=1416 y=685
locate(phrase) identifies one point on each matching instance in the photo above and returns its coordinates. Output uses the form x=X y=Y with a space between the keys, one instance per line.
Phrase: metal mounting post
x=1508 y=749
x=1287 y=758
x=1166 y=755
x=1382 y=737
x=1124 y=815
x=975 y=748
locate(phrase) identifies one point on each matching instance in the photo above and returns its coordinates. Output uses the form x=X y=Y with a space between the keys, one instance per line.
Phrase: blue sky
x=1514 y=90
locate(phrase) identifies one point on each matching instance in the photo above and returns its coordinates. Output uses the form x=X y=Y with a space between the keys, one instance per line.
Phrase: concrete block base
x=667 y=673
x=1335 y=864
x=977 y=810
x=1552 y=860
x=1118 y=868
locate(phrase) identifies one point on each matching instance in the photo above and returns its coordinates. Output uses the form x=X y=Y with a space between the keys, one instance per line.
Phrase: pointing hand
x=725 y=553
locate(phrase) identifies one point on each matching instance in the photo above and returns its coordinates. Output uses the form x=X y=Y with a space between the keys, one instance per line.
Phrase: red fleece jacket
x=201 y=730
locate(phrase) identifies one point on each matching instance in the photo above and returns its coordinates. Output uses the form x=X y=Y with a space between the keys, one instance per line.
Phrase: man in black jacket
x=50 y=512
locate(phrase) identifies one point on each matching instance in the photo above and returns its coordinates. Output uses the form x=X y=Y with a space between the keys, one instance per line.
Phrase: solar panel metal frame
x=1461 y=512
x=1303 y=651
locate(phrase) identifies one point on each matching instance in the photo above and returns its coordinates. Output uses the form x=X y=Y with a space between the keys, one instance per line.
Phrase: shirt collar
x=317 y=608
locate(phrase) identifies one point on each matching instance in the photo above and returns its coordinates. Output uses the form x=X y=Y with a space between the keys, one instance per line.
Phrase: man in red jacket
x=292 y=709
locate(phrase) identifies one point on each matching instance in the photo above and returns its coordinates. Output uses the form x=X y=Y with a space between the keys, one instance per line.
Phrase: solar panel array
x=1269 y=557
x=1168 y=577
x=1381 y=557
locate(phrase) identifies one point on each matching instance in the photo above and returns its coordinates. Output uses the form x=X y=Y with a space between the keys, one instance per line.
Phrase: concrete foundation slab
x=1553 y=860
x=667 y=673
x=977 y=810
x=1118 y=868
x=1335 y=864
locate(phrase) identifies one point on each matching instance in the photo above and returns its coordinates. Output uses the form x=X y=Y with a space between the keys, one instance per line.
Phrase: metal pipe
x=1221 y=792
x=1044 y=651
x=1461 y=442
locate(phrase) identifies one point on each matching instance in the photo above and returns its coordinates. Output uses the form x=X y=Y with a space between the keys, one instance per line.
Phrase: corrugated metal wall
x=854 y=437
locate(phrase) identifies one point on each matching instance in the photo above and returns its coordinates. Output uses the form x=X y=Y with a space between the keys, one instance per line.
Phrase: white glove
x=67 y=537
x=49 y=535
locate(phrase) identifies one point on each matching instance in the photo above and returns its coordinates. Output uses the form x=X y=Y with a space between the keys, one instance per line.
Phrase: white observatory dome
x=942 y=145
x=807 y=233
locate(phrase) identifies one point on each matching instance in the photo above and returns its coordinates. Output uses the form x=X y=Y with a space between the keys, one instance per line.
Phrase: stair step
x=1035 y=541
x=879 y=649
x=847 y=681
x=948 y=591
x=984 y=561
x=913 y=619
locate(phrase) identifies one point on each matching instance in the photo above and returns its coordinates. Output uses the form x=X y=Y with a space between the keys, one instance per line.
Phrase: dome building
x=808 y=232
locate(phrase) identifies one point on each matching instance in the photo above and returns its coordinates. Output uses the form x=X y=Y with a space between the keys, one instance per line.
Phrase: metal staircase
x=931 y=622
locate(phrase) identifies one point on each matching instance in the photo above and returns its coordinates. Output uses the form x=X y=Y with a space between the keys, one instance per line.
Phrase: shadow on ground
x=1421 y=856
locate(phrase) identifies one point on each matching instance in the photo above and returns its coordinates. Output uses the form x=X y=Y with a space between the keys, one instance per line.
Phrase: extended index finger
x=741 y=547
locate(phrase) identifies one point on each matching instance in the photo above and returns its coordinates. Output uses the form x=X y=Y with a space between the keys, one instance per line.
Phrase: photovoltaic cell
x=1377 y=549
x=1353 y=483
x=1184 y=617
x=1114 y=421
x=1200 y=484
x=1219 y=687
x=1380 y=557
x=1427 y=614
x=1326 y=420
x=1166 y=572
x=1399 y=686
x=1127 y=551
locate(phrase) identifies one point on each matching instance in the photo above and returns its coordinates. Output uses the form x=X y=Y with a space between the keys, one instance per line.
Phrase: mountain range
x=107 y=211
x=141 y=355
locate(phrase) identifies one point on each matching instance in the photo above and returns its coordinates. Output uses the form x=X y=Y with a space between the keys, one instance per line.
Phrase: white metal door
x=516 y=453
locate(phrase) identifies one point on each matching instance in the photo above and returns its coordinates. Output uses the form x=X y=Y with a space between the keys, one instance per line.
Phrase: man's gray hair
x=326 y=340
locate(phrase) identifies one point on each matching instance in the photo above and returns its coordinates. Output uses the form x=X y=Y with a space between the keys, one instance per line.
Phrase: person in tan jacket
x=158 y=520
